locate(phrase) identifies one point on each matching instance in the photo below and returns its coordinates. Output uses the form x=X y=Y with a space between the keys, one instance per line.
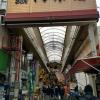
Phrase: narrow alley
x=49 y=50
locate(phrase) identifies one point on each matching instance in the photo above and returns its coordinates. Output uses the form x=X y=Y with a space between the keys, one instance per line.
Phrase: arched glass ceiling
x=53 y=39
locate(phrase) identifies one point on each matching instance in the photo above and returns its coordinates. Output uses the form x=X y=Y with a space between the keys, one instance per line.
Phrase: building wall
x=85 y=52
x=50 y=5
x=85 y=79
x=85 y=49
x=32 y=36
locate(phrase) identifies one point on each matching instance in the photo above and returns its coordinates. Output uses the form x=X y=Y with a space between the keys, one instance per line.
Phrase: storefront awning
x=82 y=65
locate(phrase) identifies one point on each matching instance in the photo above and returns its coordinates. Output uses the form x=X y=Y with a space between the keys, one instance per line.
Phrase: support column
x=92 y=39
x=92 y=79
x=91 y=30
x=98 y=34
x=66 y=72
x=37 y=72
x=21 y=49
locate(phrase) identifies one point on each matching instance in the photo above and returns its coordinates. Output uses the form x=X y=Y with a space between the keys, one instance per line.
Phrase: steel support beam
x=92 y=39
x=91 y=30
x=35 y=43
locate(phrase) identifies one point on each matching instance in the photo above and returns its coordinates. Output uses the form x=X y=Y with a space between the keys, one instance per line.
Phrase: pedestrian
x=44 y=90
x=74 y=94
x=61 y=91
x=88 y=94
x=65 y=90
x=52 y=90
x=56 y=91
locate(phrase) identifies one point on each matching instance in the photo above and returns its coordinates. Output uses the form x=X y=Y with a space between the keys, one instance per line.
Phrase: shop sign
x=24 y=91
x=49 y=6
x=57 y=11
x=12 y=93
x=23 y=74
x=16 y=91
x=25 y=1
x=30 y=56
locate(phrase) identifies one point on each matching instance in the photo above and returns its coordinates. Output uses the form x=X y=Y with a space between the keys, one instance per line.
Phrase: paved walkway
x=51 y=98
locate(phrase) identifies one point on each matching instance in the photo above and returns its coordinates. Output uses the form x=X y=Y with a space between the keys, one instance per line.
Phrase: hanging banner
x=50 y=10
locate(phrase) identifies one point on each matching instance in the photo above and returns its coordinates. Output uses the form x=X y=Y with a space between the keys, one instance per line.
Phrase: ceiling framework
x=81 y=35
x=59 y=48
x=57 y=41
x=53 y=39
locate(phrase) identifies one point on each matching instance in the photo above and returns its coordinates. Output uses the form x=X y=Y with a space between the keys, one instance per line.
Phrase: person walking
x=61 y=92
x=56 y=91
x=52 y=90
x=74 y=94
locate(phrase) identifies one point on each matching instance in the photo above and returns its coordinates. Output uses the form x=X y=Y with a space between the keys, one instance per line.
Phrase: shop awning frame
x=82 y=65
x=91 y=66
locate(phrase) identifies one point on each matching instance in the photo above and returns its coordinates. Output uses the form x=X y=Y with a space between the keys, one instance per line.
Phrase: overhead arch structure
x=53 y=39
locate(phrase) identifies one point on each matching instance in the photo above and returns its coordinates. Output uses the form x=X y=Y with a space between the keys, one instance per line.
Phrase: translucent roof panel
x=53 y=39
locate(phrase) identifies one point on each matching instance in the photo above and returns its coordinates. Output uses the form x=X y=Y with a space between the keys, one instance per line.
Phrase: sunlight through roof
x=53 y=39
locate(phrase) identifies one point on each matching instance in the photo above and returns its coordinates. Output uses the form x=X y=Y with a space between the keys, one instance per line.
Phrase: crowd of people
x=58 y=92
x=53 y=90
x=87 y=94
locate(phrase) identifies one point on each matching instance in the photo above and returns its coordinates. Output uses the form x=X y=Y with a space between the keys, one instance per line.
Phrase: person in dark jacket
x=75 y=93
x=52 y=90
x=88 y=94
x=61 y=91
